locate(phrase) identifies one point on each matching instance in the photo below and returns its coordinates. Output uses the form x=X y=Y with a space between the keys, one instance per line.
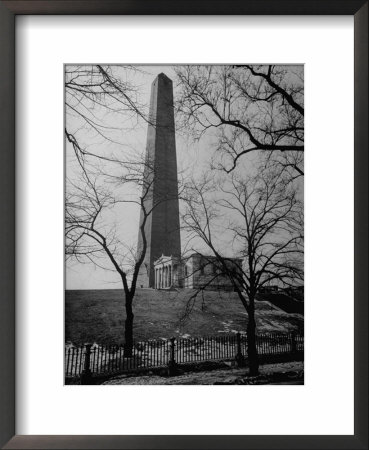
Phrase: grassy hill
x=284 y=302
x=97 y=316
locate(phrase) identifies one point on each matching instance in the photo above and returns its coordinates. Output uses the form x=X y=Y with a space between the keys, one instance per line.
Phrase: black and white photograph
x=184 y=224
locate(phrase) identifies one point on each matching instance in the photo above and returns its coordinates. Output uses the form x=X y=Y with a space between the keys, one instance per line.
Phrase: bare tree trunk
x=251 y=343
x=128 y=331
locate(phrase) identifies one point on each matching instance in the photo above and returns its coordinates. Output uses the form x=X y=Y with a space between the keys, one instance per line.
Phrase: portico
x=166 y=272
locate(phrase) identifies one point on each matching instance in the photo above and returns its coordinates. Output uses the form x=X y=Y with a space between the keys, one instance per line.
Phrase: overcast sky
x=191 y=158
x=89 y=276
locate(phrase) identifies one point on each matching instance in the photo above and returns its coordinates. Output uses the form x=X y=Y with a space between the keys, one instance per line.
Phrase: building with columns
x=168 y=272
x=194 y=272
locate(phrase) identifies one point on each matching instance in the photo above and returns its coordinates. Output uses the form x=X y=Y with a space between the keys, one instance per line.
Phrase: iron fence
x=97 y=359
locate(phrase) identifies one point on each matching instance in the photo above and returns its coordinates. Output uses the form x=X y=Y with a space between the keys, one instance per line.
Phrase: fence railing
x=97 y=359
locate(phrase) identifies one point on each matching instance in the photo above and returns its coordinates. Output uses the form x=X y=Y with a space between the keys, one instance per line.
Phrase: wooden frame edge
x=7 y=225
x=8 y=11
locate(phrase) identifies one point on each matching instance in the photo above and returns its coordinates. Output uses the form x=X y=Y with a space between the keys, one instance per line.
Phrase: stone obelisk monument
x=160 y=190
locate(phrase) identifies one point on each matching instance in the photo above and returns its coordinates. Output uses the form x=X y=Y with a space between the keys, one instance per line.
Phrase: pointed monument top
x=162 y=75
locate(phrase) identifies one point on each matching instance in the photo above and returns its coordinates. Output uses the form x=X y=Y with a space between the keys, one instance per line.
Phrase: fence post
x=172 y=366
x=239 y=357
x=86 y=375
x=293 y=342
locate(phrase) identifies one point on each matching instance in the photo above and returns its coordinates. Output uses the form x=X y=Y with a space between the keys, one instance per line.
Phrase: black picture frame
x=8 y=11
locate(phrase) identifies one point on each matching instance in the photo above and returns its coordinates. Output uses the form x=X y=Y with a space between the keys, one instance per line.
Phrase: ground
x=221 y=376
x=97 y=316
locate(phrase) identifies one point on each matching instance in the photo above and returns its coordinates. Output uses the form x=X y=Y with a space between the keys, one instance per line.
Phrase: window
x=201 y=268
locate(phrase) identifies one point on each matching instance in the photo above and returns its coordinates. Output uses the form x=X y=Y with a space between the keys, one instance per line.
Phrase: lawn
x=97 y=316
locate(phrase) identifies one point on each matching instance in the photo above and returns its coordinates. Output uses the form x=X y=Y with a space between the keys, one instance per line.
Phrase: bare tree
x=105 y=176
x=250 y=108
x=92 y=234
x=263 y=219
x=96 y=98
